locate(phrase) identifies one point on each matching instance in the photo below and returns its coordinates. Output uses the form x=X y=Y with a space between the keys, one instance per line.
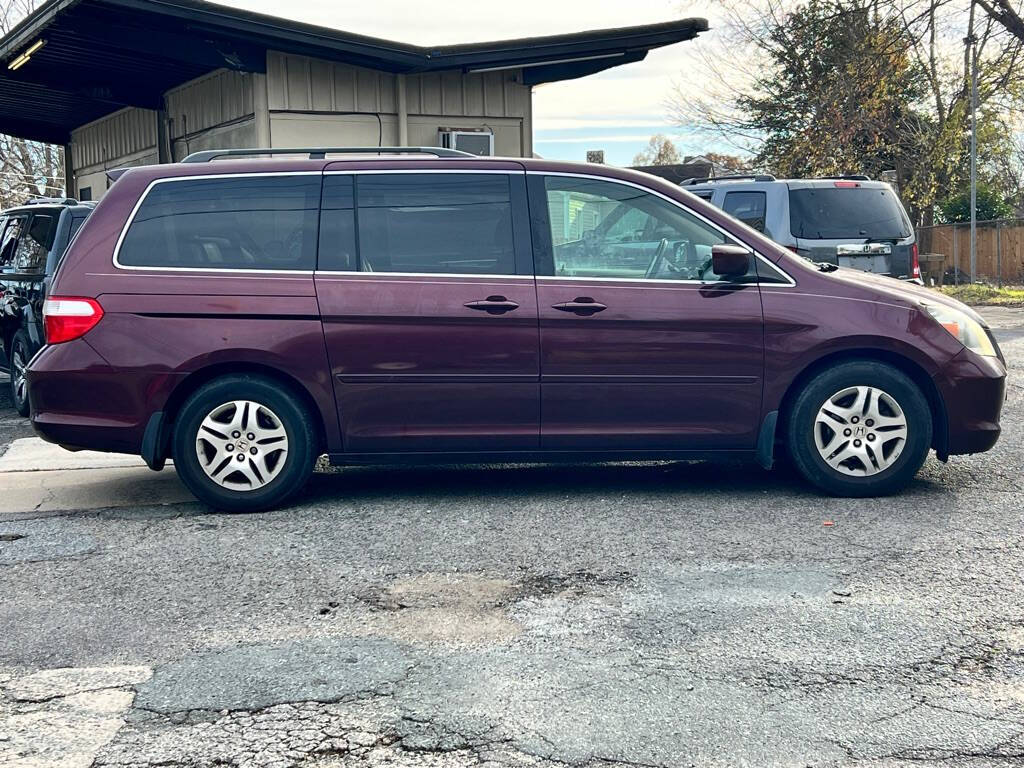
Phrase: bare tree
x=27 y=168
x=1006 y=14
x=659 y=151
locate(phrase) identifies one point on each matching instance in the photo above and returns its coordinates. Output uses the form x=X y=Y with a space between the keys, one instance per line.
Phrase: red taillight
x=847 y=184
x=915 y=263
x=69 y=317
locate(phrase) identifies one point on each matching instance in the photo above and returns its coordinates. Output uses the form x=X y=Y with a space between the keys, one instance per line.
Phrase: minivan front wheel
x=861 y=428
x=243 y=444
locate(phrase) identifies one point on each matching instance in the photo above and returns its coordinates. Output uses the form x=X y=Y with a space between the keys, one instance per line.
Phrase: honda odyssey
x=242 y=313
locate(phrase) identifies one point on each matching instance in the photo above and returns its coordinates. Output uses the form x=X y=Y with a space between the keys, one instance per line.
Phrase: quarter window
x=748 y=207
x=453 y=223
x=32 y=249
x=241 y=222
x=605 y=229
x=9 y=242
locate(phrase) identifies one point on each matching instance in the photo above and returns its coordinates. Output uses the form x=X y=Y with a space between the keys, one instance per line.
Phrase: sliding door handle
x=581 y=305
x=492 y=305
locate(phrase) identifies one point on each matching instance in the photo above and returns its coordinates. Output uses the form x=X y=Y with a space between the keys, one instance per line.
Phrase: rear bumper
x=973 y=389
x=79 y=401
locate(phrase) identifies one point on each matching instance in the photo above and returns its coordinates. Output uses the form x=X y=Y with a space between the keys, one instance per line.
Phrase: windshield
x=831 y=213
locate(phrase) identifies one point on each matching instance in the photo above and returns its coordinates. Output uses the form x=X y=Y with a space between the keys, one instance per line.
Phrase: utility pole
x=973 y=43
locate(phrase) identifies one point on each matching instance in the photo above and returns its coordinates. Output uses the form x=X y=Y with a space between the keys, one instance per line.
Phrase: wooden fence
x=1000 y=252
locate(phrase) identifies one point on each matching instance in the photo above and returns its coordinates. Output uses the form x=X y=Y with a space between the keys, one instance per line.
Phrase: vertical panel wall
x=212 y=112
x=316 y=102
x=123 y=138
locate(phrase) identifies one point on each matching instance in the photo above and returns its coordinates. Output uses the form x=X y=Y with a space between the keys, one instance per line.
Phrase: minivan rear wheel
x=20 y=355
x=860 y=428
x=244 y=444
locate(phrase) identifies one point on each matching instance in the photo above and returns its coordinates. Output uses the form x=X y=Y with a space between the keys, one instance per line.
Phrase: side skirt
x=536 y=457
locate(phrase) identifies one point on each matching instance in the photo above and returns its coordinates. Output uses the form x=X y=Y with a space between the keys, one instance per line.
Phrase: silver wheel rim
x=242 y=445
x=860 y=431
x=18 y=364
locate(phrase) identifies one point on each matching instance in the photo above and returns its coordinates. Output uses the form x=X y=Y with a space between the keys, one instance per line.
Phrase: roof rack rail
x=51 y=201
x=319 y=153
x=850 y=177
x=729 y=177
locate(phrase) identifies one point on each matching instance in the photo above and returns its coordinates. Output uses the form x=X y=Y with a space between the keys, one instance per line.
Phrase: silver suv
x=850 y=221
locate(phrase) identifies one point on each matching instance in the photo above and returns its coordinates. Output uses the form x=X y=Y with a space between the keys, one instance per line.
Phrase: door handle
x=493 y=305
x=581 y=305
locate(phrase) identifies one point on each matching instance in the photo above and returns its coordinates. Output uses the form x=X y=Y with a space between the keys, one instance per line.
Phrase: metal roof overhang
x=102 y=55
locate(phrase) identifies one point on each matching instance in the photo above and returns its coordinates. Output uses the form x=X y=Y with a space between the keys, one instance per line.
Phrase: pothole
x=11 y=536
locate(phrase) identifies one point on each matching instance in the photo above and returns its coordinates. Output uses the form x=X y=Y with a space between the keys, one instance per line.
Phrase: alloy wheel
x=860 y=431
x=18 y=365
x=242 y=445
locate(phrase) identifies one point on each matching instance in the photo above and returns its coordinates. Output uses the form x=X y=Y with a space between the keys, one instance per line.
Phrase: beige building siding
x=302 y=94
x=210 y=101
x=303 y=101
x=122 y=133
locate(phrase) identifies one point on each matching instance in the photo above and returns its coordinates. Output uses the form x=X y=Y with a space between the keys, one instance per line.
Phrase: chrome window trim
x=729 y=236
x=377 y=171
x=227 y=270
x=201 y=270
x=379 y=275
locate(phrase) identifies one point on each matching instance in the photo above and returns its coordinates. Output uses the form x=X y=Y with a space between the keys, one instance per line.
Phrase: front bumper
x=973 y=390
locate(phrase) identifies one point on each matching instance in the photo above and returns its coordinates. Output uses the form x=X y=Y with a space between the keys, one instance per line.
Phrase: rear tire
x=21 y=353
x=860 y=428
x=244 y=444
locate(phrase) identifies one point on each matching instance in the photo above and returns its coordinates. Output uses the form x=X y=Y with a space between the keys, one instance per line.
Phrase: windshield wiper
x=824 y=266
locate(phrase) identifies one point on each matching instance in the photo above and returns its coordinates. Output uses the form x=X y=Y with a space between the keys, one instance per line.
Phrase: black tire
x=801 y=430
x=293 y=416
x=21 y=353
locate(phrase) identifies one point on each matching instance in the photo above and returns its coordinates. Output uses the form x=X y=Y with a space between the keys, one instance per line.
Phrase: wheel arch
x=191 y=383
x=916 y=373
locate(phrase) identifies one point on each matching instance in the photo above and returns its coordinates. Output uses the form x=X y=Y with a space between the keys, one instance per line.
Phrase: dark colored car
x=33 y=237
x=244 y=316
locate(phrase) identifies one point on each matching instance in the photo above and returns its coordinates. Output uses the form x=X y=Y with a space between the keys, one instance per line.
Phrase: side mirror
x=730 y=260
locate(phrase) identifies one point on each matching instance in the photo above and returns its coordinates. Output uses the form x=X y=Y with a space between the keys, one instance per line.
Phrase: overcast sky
x=616 y=111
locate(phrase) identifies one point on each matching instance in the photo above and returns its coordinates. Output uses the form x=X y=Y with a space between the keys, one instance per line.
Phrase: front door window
x=610 y=230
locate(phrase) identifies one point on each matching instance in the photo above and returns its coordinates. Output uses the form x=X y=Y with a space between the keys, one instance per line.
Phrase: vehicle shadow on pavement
x=346 y=484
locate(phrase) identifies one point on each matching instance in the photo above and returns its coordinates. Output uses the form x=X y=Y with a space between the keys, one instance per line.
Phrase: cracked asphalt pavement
x=654 y=614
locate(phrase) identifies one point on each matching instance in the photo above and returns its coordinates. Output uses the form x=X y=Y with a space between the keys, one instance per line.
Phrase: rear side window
x=453 y=223
x=10 y=231
x=748 y=207
x=33 y=247
x=832 y=213
x=240 y=222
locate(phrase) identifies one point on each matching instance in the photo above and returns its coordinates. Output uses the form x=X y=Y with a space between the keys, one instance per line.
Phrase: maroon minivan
x=243 y=315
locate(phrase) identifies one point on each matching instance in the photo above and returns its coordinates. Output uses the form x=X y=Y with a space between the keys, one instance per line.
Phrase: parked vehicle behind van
x=33 y=237
x=849 y=221
x=243 y=315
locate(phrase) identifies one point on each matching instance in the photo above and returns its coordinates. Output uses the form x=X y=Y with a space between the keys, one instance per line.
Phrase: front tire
x=860 y=428
x=20 y=355
x=244 y=444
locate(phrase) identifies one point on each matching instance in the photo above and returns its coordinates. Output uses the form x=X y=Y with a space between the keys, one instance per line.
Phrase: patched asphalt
x=631 y=614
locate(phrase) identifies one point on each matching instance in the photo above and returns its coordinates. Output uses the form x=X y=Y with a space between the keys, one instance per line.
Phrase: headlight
x=966 y=329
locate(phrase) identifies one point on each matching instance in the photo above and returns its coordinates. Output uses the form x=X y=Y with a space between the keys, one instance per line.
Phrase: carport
x=131 y=81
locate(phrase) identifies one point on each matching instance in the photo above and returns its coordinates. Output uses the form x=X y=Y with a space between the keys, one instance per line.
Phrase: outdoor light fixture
x=27 y=54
